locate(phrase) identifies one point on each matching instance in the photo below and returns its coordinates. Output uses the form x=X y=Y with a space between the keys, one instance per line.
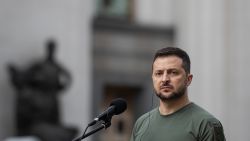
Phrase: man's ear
x=189 y=79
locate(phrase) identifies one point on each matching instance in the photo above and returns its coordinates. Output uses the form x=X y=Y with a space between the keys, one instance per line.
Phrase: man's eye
x=158 y=73
x=173 y=73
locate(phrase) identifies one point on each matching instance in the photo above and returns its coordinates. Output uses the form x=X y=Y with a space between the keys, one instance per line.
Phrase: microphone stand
x=105 y=125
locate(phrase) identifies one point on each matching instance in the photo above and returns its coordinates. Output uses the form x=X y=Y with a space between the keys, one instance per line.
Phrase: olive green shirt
x=190 y=123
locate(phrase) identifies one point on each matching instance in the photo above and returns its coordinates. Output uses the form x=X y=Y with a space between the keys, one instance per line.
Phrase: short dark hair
x=175 y=51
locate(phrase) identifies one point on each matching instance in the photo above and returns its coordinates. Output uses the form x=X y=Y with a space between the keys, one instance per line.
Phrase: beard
x=173 y=96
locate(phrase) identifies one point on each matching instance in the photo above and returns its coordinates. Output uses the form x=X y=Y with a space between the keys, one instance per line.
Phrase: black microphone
x=116 y=107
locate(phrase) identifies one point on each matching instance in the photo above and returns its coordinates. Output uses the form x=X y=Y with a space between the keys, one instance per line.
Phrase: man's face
x=169 y=78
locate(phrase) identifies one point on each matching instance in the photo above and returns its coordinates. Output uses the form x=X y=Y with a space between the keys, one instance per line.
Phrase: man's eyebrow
x=158 y=69
x=173 y=69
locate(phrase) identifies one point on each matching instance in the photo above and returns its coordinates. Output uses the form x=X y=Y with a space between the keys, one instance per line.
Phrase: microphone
x=116 y=107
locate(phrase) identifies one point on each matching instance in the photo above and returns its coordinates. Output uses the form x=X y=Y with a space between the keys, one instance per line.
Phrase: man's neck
x=171 y=106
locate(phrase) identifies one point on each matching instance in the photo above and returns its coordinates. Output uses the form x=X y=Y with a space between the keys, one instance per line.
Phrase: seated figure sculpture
x=37 y=106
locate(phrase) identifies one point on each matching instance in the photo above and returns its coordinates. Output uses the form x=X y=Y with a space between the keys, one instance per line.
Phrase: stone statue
x=37 y=107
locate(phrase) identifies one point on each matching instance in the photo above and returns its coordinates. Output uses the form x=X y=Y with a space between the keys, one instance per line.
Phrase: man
x=176 y=118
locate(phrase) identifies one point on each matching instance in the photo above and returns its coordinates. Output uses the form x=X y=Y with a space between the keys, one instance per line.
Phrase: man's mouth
x=166 y=87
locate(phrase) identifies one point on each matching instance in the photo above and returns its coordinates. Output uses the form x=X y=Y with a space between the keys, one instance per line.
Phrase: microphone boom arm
x=105 y=124
x=117 y=106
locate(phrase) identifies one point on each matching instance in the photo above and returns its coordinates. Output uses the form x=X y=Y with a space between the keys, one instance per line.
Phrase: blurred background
x=63 y=61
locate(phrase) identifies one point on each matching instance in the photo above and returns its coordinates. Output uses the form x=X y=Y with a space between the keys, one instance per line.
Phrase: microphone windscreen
x=120 y=105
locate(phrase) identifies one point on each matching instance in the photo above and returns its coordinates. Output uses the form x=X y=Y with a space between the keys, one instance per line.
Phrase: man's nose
x=165 y=77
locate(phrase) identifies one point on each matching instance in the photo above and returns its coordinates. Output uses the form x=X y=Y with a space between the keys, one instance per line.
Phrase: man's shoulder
x=204 y=123
x=204 y=118
x=145 y=117
x=198 y=112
